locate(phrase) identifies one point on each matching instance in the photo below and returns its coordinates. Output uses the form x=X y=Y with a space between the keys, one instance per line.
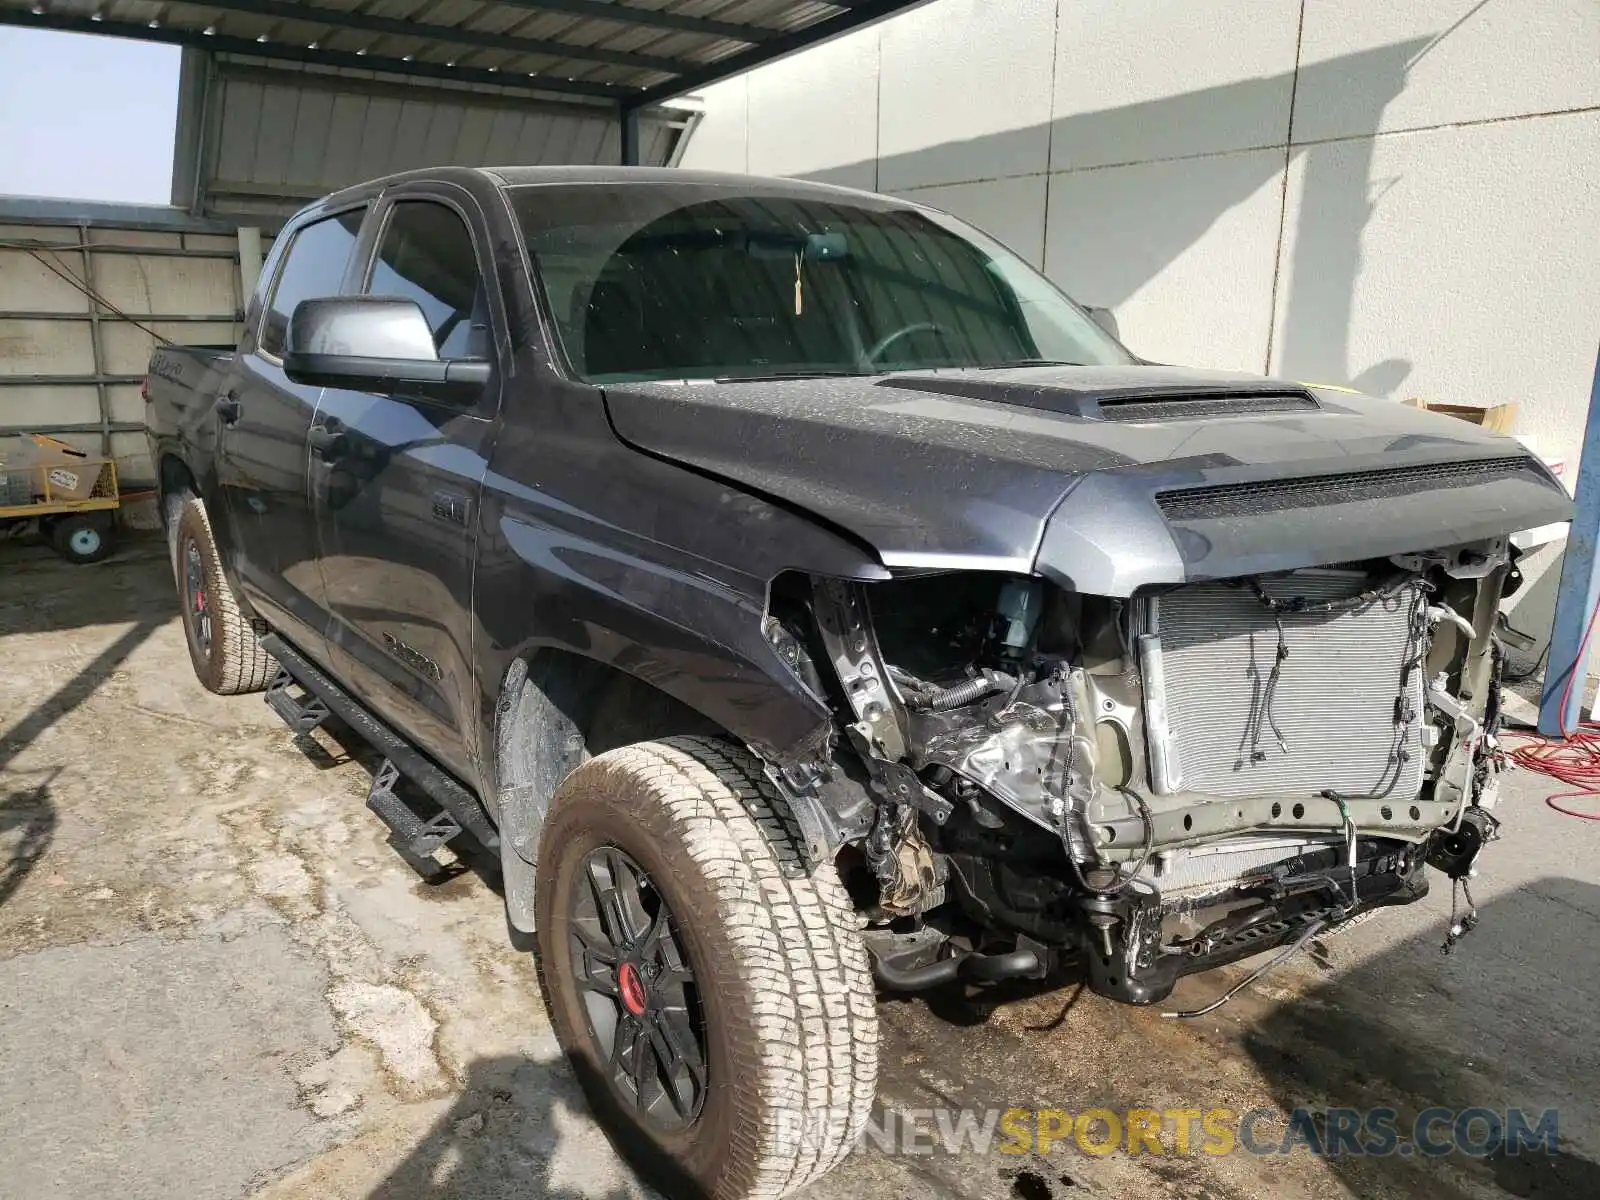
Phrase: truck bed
x=180 y=389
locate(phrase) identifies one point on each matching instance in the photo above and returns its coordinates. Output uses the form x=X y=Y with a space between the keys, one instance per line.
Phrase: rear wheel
x=708 y=984
x=224 y=645
x=83 y=537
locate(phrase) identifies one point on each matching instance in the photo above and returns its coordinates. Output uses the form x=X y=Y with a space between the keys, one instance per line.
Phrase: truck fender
x=556 y=710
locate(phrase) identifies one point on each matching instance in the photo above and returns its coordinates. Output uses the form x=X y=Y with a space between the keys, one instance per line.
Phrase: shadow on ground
x=1505 y=1022
x=503 y=1139
x=114 y=592
x=43 y=593
x=27 y=827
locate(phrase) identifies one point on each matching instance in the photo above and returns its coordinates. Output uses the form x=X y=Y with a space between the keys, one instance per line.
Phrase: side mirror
x=1106 y=319
x=376 y=344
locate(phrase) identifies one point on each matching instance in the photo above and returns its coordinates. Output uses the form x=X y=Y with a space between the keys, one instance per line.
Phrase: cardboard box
x=52 y=468
x=1496 y=418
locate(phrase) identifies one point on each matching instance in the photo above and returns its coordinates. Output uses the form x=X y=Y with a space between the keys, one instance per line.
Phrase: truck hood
x=1074 y=471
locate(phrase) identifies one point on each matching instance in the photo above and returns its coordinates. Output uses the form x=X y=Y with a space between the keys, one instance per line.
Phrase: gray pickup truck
x=797 y=594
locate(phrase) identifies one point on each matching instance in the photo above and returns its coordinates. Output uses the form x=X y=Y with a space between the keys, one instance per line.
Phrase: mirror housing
x=376 y=344
x=1106 y=319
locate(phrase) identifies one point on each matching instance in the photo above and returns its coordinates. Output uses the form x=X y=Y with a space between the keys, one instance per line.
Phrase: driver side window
x=426 y=255
x=314 y=266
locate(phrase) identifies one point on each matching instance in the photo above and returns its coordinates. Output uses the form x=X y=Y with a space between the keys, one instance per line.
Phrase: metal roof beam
x=284 y=52
x=859 y=14
x=622 y=14
x=311 y=14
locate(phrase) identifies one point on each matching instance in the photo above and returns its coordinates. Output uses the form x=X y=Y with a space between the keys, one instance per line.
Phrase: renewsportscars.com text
x=1332 y=1132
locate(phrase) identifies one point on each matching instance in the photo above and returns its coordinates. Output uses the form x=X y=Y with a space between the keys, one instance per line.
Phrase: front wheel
x=709 y=985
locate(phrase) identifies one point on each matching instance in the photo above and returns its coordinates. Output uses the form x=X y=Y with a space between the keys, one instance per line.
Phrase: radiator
x=1335 y=701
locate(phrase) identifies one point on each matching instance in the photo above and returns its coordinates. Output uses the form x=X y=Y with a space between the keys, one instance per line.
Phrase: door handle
x=228 y=408
x=327 y=443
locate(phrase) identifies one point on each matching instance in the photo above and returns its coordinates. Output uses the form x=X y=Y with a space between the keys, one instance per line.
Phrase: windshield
x=696 y=281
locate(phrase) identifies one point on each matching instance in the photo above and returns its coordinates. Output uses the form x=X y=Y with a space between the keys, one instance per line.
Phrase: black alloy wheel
x=707 y=981
x=638 y=990
x=194 y=596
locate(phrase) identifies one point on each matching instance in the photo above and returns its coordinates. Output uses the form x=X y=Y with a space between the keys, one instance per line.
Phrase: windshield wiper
x=801 y=373
x=1029 y=362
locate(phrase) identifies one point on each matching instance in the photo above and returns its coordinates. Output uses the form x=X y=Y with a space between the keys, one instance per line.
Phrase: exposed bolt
x=1104 y=923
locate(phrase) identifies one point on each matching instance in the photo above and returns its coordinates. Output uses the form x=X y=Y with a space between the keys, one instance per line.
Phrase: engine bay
x=1022 y=775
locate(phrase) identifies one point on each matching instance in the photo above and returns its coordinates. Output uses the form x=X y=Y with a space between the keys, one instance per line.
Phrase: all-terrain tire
x=789 y=1023
x=230 y=661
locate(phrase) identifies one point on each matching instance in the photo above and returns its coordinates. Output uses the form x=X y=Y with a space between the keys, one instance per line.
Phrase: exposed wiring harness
x=1306 y=935
x=1119 y=881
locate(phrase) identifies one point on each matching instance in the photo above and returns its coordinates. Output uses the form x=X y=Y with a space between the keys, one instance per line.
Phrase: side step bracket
x=414 y=837
x=300 y=713
x=460 y=805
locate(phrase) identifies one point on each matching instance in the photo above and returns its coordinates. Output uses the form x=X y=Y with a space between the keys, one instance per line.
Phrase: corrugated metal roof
x=607 y=49
x=278 y=138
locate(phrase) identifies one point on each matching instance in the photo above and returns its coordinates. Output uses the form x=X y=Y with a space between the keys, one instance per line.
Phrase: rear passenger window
x=426 y=255
x=314 y=267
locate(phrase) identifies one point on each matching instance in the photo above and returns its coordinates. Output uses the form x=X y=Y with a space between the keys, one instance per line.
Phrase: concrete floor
x=216 y=981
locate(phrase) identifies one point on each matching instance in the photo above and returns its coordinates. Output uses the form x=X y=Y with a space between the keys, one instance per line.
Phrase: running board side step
x=300 y=713
x=460 y=804
x=413 y=837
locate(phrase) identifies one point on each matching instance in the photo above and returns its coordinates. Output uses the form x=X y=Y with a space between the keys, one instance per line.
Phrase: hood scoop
x=1124 y=405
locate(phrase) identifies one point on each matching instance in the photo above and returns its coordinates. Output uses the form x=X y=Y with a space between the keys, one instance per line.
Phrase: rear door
x=396 y=496
x=265 y=419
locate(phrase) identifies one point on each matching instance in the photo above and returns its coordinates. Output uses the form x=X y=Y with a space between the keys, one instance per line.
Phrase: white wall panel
x=39 y=233
x=1475 y=275
x=1181 y=250
x=965 y=92
x=1463 y=61
x=44 y=348
x=1010 y=209
x=27 y=284
x=1440 y=238
x=721 y=141
x=53 y=404
x=150 y=238
x=126 y=403
x=1136 y=82
x=132 y=452
x=167 y=284
x=141 y=271
x=816 y=114
x=125 y=349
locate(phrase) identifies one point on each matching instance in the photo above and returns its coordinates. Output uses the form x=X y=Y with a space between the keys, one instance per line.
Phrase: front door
x=265 y=421
x=396 y=483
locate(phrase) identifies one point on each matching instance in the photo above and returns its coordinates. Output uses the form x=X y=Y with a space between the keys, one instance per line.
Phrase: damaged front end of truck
x=1169 y=667
x=1024 y=774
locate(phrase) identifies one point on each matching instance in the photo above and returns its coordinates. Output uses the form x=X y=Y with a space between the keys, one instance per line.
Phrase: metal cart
x=80 y=530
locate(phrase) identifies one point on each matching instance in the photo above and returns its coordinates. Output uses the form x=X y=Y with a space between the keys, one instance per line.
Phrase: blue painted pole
x=1580 y=587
